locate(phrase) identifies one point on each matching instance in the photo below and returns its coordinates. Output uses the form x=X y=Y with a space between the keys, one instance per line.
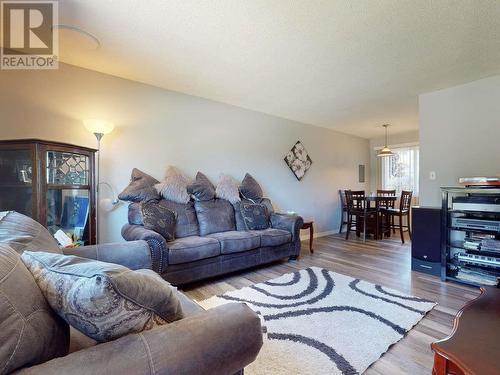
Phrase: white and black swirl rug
x=321 y=322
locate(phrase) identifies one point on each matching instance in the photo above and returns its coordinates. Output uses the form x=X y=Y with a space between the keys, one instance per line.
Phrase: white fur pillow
x=174 y=186
x=227 y=189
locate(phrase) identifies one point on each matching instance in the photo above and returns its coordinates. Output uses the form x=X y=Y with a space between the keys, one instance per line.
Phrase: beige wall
x=459 y=135
x=392 y=140
x=157 y=128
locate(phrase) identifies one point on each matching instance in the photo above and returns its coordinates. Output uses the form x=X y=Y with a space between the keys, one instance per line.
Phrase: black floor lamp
x=99 y=128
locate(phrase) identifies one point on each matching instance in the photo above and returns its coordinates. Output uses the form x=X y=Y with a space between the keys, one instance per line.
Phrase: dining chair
x=356 y=213
x=389 y=203
x=402 y=212
x=343 y=210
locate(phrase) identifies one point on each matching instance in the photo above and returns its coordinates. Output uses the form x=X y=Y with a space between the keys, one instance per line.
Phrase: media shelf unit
x=470 y=246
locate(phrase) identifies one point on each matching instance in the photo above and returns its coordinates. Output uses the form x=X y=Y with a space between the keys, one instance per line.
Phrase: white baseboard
x=305 y=235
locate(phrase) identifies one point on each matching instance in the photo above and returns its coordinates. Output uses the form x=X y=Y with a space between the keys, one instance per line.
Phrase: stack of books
x=480 y=181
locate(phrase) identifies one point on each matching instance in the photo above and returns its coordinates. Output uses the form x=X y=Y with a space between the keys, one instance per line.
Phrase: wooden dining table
x=367 y=206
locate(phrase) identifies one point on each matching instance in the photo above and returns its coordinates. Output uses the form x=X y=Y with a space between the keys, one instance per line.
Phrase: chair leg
x=401 y=229
x=358 y=224
x=409 y=226
x=349 y=222
x=341 y=221
x=393 y=226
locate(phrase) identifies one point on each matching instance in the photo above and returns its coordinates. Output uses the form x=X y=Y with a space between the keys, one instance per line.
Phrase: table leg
x=440 y=365
x=364 y=225
x=311 y=236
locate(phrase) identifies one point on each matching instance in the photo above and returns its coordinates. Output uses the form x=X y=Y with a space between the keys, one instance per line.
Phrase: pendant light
x=386 y=151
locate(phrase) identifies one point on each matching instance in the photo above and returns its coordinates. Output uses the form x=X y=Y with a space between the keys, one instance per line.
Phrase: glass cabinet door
x=68 y=194
x=16 y=181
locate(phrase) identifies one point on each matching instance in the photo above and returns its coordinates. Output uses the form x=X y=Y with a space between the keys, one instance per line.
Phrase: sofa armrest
x=220 y=341
x=157 y=244
x=134 y=255
x=290 y=223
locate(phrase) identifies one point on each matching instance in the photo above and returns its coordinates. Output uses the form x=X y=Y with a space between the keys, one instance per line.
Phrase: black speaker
x=426 y=240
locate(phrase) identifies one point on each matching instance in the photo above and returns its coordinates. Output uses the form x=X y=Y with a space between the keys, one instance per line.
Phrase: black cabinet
x=426 y=240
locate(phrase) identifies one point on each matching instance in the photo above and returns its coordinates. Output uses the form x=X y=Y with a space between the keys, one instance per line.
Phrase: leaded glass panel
x=67 y=168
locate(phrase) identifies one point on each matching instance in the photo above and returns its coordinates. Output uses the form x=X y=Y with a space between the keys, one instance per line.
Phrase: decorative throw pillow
x=214 y=216
x=255 y=216
x=103 y=300
x=174 y=186
x=30 y=332
x=22 y=233
x=250 y=189
x=186 y=223
x=227 y=189
x=159 y=219
x=141 y=188
x=201 y=188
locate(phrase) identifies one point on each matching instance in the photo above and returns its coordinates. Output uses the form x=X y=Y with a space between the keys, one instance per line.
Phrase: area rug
x=320 y=322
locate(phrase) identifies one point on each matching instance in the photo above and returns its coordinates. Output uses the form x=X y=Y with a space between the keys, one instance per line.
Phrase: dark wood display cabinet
x=52 y=182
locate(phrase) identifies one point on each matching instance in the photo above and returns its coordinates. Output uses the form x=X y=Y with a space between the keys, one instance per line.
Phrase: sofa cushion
x=135 y=214
x=186 y=224
x=189 y=307
x=274 y=237
x=215 y=216
x=250 y=188
x=267 y=202
x=190 y=249
x=201 y=189
x=255 y=216
x=236 y=241
x=104 y=301
x=159 y=218
x=227 y=188
x=141 y=188
x=30 y=332
x=22 y=233
x=174 y=186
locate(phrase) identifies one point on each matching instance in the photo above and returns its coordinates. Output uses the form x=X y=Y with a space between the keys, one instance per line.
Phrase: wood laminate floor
x=384 y=262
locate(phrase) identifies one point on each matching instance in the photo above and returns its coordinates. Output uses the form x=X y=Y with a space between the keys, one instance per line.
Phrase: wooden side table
x=473 y=348
x=309 y=225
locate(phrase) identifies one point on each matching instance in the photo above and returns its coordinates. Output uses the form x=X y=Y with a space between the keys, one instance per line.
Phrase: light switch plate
x=432 y=175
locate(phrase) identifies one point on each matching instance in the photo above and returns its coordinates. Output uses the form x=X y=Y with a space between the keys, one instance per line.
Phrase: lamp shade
x=97 y=126
x=386 y=151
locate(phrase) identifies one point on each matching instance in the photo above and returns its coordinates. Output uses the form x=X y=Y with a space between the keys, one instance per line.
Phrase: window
x=400 y=171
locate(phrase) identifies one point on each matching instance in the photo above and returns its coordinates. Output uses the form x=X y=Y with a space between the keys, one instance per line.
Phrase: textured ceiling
x=347 y=65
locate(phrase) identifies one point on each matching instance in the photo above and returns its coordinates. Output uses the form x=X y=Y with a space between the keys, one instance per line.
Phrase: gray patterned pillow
x=103 y=300
x=255 y=216
x=201 y=189
x=159 y=219
x=227 y=189
x=174 y=186
x=141 y=188
x=250 y=189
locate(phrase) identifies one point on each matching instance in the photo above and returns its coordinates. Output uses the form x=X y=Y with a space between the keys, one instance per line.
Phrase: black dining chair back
x=389 y=203
x=405 y=202
x=355 y=199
